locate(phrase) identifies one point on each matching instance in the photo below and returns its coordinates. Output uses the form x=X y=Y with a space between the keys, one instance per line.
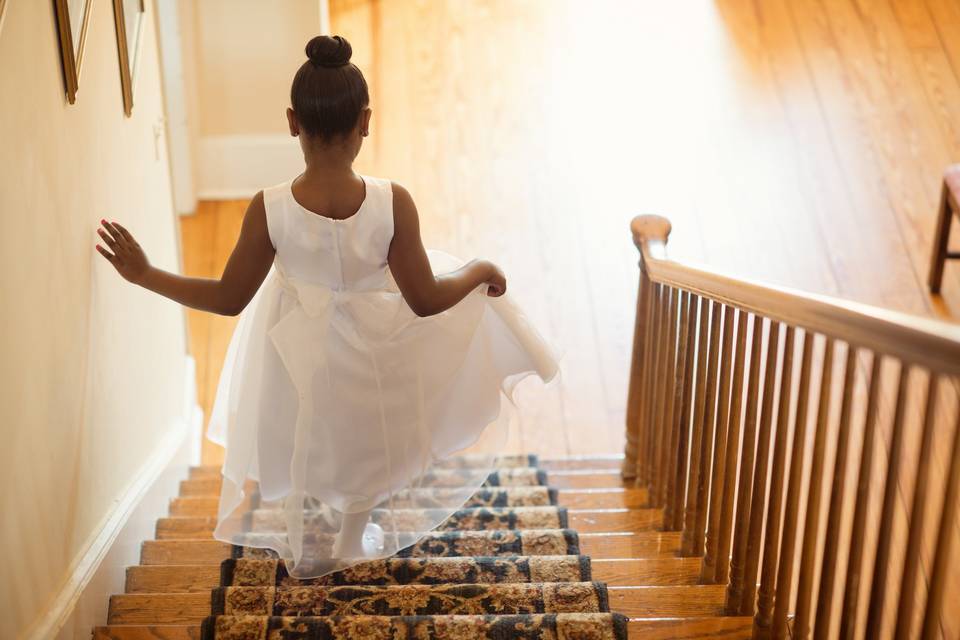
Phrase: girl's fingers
x=125 y=233
x=106 y=254
x=107 y=238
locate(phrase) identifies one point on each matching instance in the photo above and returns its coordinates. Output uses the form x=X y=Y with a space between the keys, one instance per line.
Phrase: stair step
x=511 y=598
x=148 y=632
x=583 y=520
x=715 y=628
x=611 y=498
x=668 y=602
x=726 y=628
x=173 y=578
x=570 y=479
x=598 y=545
x=613 y=461
x=613 y=571
x=634 y=602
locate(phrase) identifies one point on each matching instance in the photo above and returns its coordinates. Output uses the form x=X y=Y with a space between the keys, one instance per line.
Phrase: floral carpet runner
x=504 y=566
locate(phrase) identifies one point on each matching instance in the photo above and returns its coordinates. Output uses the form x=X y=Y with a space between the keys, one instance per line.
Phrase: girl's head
x=329 y=100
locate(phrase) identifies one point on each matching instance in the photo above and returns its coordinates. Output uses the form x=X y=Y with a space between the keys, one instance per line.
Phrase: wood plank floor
x=795 y=141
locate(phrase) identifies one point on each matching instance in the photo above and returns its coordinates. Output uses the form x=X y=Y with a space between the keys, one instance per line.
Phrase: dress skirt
x=335 y=402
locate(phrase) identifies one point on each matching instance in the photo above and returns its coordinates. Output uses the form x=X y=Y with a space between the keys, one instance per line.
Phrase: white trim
x=234 y=167
x=99 y=570
x=175 y=101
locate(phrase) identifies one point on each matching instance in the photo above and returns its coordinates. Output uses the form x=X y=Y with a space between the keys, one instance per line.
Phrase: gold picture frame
x=73 y=17
x=128 y=15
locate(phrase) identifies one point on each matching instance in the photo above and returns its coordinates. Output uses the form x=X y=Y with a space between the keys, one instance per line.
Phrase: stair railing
x=806 y=447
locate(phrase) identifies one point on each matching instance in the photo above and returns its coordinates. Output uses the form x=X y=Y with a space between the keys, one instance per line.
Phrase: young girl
x=363 y=398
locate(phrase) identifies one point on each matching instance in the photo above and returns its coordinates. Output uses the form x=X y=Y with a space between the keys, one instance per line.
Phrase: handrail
x=924 y=341
x=723 y=396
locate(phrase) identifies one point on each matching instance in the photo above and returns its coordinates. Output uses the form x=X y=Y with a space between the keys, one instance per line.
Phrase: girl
x=363 y=398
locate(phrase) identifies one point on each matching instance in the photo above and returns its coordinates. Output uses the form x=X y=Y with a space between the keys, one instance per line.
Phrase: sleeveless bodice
x=342 y=255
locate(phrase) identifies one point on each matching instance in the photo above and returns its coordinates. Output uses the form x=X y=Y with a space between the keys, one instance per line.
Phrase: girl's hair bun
x=327 y=51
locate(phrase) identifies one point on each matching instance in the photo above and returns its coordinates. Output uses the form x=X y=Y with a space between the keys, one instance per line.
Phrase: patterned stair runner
x=504 y=566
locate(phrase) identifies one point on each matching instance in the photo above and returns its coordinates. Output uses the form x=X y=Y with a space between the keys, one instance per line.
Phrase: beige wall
x=91 y=373
x=247 y=52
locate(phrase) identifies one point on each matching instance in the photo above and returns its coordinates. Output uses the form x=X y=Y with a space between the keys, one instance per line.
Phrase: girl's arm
x=247 y=267
x=426 y=293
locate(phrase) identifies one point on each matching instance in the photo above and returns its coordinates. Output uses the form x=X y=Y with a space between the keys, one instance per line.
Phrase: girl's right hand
x=497 y=282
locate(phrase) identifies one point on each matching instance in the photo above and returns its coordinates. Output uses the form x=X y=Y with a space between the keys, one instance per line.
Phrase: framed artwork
x=73 y=16
x=128 y=16
x=3 y=5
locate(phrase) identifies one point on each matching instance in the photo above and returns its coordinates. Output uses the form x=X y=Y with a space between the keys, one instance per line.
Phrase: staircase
x=792 y=468
x=556 y=545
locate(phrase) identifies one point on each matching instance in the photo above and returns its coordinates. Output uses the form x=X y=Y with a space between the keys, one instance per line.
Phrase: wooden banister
x=923 y=341
x=731 y=380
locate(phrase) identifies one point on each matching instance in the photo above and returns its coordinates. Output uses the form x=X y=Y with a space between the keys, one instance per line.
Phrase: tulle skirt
x=343 y=402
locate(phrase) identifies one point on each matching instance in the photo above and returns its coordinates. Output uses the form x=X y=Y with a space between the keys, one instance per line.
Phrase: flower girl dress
x=336 y=401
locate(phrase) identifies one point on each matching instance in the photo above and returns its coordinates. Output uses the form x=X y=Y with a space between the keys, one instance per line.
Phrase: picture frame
x=128 y=17
x=73 y=17
x=3 y=5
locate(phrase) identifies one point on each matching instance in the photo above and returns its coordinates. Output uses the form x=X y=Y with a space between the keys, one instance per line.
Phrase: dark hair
x=329 y=91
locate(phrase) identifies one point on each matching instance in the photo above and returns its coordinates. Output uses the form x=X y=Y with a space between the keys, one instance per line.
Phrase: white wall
x=92 y=369
x=245 y=54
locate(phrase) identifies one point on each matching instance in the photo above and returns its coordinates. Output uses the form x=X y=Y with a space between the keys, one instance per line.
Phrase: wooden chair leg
x=941 y=237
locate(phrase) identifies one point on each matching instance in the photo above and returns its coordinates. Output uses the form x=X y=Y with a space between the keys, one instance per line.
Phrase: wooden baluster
x=688 y=537
x=759 y=491
x=670 y=374
x=792 y=513
x=734 y=419
x=941 y=557
x=811 y=526
x=911 y=561
x=709 y=569
x=637 y=371
x=828 y=569
x=747 y=450
x=851 y=591
x=679 y=379
x=881 y=565
x=643 y=471
x=673 y=514
x=660 y=393
x=709 y=423
x=771 y=546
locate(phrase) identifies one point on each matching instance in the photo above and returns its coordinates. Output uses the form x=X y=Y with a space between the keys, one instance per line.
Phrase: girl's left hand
x=127 y=258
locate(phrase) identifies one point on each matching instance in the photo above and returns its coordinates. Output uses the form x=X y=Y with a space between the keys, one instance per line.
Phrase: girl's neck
x=328 y=159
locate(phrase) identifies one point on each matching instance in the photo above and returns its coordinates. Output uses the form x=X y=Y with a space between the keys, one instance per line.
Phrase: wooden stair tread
x=613 y=571
x=571 y=479
x=716 y=628
x=634 y=602
x=613 y=461
x=645 y=544
x=583 y=520
x=610 y=498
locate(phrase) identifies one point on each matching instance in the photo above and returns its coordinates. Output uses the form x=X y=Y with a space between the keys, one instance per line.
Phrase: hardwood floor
x=795 y=141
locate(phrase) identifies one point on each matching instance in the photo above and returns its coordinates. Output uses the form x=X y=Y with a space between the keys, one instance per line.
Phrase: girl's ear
x=292 y=121
x=365 y=121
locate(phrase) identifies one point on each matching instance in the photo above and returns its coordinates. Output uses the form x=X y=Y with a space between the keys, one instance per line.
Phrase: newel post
x=648 y=231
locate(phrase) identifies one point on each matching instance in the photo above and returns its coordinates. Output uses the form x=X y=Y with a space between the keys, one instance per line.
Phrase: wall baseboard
x=236 y=167
x=100 y=570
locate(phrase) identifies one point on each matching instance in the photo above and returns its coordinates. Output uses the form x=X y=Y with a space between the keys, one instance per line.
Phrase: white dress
x=336 y=398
